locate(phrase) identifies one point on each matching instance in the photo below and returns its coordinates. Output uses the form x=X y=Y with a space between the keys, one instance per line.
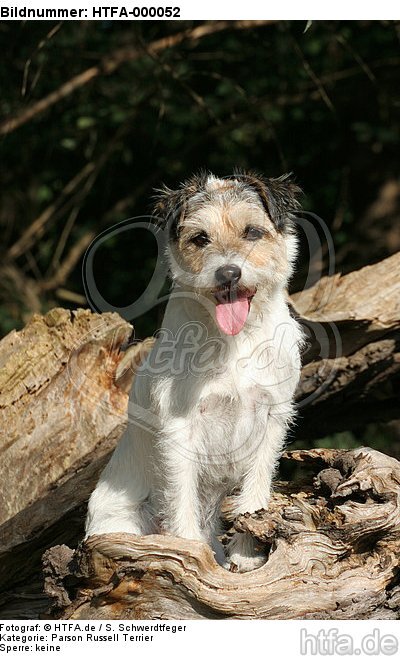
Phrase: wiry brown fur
x=223 y=208
x=278 y=197
x=226 y=223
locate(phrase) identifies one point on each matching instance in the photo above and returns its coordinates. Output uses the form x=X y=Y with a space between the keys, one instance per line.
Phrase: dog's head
x=230 y=238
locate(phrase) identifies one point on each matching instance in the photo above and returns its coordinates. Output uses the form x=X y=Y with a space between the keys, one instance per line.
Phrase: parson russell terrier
x=221 y=428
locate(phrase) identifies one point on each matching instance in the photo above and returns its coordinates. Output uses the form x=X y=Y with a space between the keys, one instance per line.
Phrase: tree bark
x=64 y=382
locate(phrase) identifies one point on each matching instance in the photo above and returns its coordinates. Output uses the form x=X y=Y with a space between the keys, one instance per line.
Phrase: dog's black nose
x=229 y=274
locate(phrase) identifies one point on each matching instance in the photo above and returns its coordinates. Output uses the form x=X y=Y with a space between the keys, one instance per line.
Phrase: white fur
x=198 y=434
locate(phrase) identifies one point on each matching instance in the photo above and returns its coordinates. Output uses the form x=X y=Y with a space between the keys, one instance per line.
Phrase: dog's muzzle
x=229 y=274
x=233 y=305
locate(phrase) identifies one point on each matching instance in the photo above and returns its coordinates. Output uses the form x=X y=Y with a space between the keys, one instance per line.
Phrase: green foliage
x=322 y=102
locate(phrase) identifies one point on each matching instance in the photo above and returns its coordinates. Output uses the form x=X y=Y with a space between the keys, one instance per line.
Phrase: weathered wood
x=61 y=415
x=364 y=304
x=349 y=392
x=351 y=368
x=333 y=545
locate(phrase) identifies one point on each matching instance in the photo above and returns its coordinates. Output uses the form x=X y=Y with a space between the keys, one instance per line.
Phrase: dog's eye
x=252 y=233
x=200 y=240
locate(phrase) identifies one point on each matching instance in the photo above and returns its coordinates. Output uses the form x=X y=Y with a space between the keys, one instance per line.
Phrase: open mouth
x=232 y=308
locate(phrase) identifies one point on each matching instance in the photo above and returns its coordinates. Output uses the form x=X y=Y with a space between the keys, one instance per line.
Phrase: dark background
x=322 y=102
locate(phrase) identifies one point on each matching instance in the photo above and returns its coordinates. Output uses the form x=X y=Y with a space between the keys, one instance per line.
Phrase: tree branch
x=121 y=56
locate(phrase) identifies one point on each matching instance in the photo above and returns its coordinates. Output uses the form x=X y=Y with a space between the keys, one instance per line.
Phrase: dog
x=219 y=427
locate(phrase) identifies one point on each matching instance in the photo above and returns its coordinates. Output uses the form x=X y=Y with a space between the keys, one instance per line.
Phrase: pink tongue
x=231 y=317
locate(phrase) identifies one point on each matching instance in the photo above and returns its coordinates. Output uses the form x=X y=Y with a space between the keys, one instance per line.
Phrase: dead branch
x=36 y=228
x=70 y=261
x=70 y=195
x=121 y=56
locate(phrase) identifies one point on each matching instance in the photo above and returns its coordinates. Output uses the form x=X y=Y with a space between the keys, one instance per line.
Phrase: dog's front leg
x=255 y=494
x=180 y=504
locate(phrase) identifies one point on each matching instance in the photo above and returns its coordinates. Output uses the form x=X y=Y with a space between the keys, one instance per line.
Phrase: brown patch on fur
x=235 y=218
x=227 y=233
x=278 y=197
x=226 y=228
x=267 y=249
x=188 y=254
x=220 y=185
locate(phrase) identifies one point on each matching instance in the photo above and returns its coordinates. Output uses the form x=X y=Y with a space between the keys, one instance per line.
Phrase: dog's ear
x=283 y=200
x=169 y=208
x=279 y=197
x=170 y=205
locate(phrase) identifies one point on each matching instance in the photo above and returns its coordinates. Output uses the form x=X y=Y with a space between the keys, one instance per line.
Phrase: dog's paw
x=240 y=563
x=243 y=554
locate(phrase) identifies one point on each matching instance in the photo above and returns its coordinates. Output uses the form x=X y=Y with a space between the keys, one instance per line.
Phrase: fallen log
x=351 y=368
x=62 y=413
x=64 y=382
x=333 y=545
